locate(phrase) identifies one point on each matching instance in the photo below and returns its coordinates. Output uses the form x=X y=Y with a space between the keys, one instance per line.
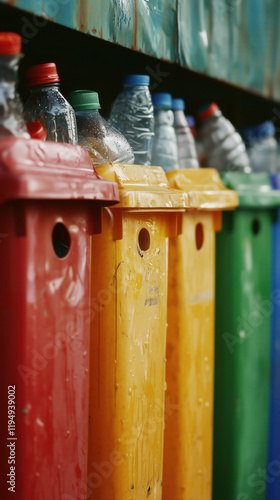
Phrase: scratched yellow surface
x=190 y=357
x=127 y=374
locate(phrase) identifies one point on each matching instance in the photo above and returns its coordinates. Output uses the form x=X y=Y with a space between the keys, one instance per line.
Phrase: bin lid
x=204 y=187
x=33 y=169
x=255 y=190
x=143 y=187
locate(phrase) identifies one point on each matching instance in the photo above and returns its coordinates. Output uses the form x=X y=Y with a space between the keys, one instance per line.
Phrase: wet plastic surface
x=11 y=115
x=187 y=472
x=187 y=155
x=165 y=149
x=262 y=148
x=223 y=147
x=50 y=205
x=103 y=142
x=49 y=106
x=133 y=115
x=37 y=170
x=128 y=335
x=244 y=302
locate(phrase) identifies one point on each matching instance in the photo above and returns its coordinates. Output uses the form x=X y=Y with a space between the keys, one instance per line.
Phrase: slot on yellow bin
x=128 y=334
x=187 y=471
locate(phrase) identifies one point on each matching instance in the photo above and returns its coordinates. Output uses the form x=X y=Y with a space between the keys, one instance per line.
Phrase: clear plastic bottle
x=11 y=115
x=262 y=149
x=192 y=124
x=198 y=144
x=103 y=142
x=165 y=150
x=132 y=114
x=187 y=155
x=47 y=104
x=223 y=147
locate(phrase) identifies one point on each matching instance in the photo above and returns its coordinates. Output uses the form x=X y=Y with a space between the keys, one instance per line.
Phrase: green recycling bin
x=244 y=304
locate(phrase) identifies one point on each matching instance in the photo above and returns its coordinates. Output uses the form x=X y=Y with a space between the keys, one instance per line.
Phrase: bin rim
x=143 y=187
x=205 y=189
x=255 y=190
x=36 y=170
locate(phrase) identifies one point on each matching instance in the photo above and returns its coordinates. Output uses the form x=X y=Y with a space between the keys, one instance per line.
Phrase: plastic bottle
x=103 y=142
x=192 y=124
x=262 y=149
x=198 y=144
x=187 y=155
x=11 y=115
x=223 y=147
x=165 y=150
x=132 y=114
x=48 y=105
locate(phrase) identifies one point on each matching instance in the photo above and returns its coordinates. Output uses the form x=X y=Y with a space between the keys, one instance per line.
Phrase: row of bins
x=107 y=317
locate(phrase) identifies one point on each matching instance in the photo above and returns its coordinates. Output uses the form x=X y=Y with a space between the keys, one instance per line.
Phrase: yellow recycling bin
x=128 y=334
x=187 y=472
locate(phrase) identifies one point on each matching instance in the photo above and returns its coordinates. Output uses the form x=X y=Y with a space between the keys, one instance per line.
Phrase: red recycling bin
x=50 y=204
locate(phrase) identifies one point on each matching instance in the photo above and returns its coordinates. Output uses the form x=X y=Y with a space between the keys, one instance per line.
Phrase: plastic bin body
x=128 y=342
x=45 y=228
x=187 y=472
x=244 y=304
x=273 y=467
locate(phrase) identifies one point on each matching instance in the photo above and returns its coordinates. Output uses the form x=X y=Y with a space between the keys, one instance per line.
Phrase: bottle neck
x=43 y=88
x=89 y=111
x=179 y=118
x=136 y=87
x=212 y=117
x=161 y=108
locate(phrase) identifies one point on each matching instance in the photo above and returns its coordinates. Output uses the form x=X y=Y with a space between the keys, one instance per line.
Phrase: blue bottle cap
x=191 y=120
x=136 y=80
x=251 y=134
x=178 y=104
x=162 y=99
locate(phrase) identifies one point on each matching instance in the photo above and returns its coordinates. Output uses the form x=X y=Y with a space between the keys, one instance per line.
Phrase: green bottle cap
x=83 y=99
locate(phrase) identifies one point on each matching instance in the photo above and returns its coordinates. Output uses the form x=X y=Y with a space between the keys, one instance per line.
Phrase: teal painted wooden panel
x=233 y=40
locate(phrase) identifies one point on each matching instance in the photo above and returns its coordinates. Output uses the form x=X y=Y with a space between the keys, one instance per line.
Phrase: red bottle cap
x=42 y=74
x=207 y=111
x=36 y=130
x=10 y=43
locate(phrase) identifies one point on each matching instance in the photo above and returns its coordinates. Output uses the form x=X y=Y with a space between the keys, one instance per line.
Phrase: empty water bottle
x=187 y=154
x=103 y=142
x=132 y=114
x=165 y=150
x=11 y=115
x=48 y=105
x=223 y=147
x=192 y=124
x=262 y=149
x=198 y=144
